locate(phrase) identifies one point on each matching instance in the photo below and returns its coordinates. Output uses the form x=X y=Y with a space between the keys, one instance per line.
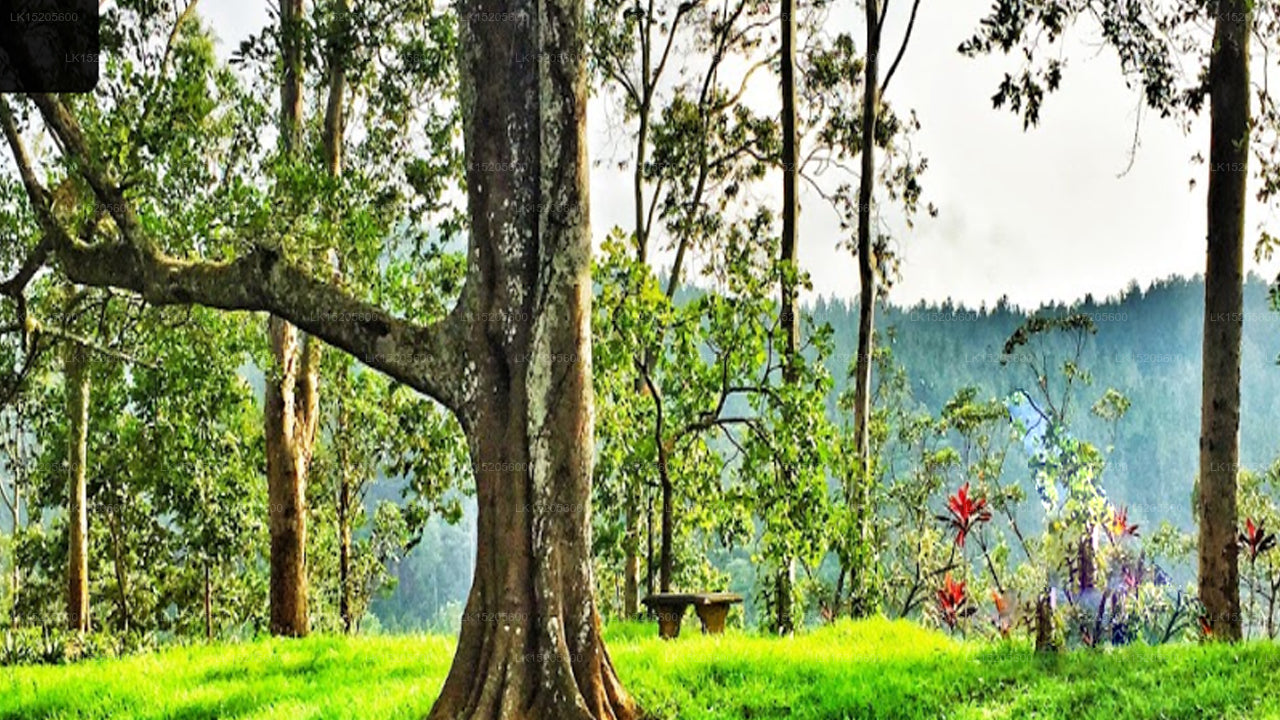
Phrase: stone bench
x=712 y=608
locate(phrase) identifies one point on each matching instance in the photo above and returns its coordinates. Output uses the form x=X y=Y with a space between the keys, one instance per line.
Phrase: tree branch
x=426 y=358
x=902 y=49
x=422 y=357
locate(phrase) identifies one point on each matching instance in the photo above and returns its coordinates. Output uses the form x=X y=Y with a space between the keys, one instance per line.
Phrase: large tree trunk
x=859 y=493
x=290 y=430
x=530 y=645
x=76 y=377
x=1223 y=305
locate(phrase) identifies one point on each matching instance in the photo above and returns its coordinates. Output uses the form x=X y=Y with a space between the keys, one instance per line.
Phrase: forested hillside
x=1147 y=346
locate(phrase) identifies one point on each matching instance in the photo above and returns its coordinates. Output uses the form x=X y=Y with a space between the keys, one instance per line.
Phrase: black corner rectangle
x=48 y=45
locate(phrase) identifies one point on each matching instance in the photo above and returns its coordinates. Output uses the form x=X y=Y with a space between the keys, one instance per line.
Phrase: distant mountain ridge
x=1147 y=346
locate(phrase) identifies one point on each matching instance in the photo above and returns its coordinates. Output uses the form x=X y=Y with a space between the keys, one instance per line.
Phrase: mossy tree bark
x=289 y=415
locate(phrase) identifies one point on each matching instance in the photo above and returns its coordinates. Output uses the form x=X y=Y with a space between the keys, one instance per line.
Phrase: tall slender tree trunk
x=1224 y=304
x=122 y=572
x=76 y=375
x=334 y=137
x=345 y=597
x=790 y=316
x=634 y=479
x=859 y=492
x=208 y=603
x=292 y=401
x=290 y=430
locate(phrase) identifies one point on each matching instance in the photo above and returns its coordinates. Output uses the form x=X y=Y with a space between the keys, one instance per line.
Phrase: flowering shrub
x=964 y=513
x=953 y=602
x=1255 y=540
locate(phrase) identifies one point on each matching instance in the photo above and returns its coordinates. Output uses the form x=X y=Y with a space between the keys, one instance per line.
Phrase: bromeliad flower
x=1255 y=539
x=953 y=603
x=964 y=513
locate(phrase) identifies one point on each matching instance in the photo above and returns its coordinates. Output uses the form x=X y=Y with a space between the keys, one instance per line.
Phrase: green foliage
x=54 y=646
x=177 y=506
x=1259 y=503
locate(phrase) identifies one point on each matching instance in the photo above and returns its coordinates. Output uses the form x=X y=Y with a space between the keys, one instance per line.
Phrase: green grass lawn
x=873 y=669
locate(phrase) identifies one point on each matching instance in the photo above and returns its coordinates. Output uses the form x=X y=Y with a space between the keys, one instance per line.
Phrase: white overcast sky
x=1042 y=215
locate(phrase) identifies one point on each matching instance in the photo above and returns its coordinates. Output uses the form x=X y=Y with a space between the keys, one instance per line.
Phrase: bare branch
x=902 y=49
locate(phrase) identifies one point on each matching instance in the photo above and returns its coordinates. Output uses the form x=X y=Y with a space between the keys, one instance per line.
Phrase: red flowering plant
x=953 y=602
x=964 y=513
x=1255 y=541
x=1006 y=612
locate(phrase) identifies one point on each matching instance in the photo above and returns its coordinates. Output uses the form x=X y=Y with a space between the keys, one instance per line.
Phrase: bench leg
x=669 y=624
x=712 y=617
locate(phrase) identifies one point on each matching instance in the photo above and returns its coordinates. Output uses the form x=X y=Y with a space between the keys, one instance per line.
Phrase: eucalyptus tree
x=873 y=88
x=75 y=368
x=388 y=67
x=91 y=333
x=1153 y=42
x=631 y=46
x=183 y=158
x=511 y=359
x=16 y=456
x=830 y=81
x=292 y=414
x=375 y=427
x=381 y=427
x=788 y=313
x=686 y=116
